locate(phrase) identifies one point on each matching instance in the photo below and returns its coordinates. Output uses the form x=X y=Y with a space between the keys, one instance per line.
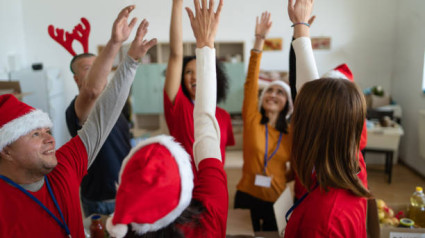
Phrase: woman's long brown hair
x=327 y=124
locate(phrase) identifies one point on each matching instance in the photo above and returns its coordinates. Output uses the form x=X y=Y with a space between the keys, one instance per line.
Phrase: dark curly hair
x=281 y=122
x=222 y=79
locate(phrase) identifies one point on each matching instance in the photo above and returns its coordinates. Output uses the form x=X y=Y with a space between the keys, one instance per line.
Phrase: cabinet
x=236 y=74
x=147 y=90
x=225 y=51
x=147 y=96
x=46 y=92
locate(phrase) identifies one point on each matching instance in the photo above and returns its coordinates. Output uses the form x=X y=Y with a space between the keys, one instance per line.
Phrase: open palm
x=121 y=29
x=263 y=25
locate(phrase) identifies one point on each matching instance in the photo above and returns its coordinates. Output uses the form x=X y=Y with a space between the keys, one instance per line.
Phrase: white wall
x=12 y=43
x=370 y=36
x=361 y=37
x=407 y=76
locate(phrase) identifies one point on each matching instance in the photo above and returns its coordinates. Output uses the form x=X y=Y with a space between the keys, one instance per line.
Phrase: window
x=423 y=77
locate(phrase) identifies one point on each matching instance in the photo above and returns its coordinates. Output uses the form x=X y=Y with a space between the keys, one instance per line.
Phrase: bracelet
x=300 y=23
x=260 y=36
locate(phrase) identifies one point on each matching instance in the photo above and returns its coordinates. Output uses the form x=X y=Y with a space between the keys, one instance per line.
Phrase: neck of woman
x=272 y=116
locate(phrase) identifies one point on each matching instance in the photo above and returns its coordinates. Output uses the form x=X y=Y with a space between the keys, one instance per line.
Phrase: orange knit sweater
x=254 y=142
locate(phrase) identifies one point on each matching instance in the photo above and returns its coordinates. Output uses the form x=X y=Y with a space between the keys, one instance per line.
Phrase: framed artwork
x=321 y=43
x=273 y=44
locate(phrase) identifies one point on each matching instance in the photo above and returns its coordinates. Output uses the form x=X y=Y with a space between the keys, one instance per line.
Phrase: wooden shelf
x=225 y=51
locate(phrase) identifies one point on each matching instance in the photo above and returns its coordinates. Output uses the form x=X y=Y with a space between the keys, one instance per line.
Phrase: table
x=384 y=140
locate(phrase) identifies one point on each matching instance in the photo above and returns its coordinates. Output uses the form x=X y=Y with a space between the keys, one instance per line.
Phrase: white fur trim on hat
x=287 y=89
x=21 y=126
x=186 y=177
x=335 y=74
x=117 y=231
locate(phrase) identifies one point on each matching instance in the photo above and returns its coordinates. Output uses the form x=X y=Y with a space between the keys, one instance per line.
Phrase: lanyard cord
x=266 y=158
x=298 y=202
x=63 y=225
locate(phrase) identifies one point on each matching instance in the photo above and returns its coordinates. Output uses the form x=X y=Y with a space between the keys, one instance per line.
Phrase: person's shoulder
x=71 y=106
x=222 y=111
x=349 y=216
x=345 y=206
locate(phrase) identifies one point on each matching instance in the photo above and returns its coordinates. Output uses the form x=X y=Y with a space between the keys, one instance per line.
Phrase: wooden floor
x=403 y=184
x=399 y=191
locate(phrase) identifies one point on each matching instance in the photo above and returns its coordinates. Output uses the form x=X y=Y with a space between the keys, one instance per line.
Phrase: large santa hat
x=155 y=187
x=285 y=87
x=341 y=71
x=18 y=119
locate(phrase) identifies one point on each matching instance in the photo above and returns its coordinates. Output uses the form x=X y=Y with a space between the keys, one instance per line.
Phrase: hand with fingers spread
x=121 y=29
x=263 y=25
x=204 y=22
x=262 y=29
x=300 y=11
x=139 y=46
x=300 y=15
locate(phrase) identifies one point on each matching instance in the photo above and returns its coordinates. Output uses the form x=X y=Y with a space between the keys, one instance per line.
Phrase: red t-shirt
x=211 y=190
x=22 y=217
x=179 y=118
x=337 y=213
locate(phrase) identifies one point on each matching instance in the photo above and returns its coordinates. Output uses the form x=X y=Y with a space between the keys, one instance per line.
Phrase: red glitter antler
x=82 y=34
x=79 y=33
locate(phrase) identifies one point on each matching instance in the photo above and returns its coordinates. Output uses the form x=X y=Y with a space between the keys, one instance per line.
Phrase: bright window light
x=423 y=77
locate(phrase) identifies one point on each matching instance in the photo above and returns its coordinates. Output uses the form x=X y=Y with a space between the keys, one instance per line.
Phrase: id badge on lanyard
x=262 y=180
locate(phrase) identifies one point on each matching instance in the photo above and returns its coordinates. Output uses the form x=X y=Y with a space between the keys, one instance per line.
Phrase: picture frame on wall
x=273 y=44
x=321 y=43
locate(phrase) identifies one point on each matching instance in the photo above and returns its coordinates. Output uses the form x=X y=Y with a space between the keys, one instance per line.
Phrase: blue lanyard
x=63 y=225
x=297 y=203
x=266 y=158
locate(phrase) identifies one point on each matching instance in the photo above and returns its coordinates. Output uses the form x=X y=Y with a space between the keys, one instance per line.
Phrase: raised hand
x=121 y=29
x=263 y=25
x=300 y=11
x=139 y=46
x=262 y=29
x=205 y=22
x=311 y=20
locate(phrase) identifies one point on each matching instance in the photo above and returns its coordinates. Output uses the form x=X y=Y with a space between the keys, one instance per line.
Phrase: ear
x=5 y=153
x=77 y=81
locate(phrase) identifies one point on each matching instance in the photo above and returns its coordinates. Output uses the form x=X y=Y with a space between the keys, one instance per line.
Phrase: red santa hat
x=341 y=71
x=18 y=119
x=286 y=88
x=155 y=187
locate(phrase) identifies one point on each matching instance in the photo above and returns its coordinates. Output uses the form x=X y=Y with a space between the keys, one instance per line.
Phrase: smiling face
x=274 y=99
x=33 y=152
x=189 y=78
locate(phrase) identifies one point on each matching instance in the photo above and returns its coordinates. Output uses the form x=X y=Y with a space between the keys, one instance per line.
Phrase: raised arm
x=97 y=77
x=207 y=131
x=250 y=102
x=292 y=65
x=108 y=108
x=175 y=60
x=300 y=13
x=262 y=29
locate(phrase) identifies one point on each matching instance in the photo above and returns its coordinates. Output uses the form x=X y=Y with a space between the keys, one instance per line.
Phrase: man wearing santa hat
x=40 y=186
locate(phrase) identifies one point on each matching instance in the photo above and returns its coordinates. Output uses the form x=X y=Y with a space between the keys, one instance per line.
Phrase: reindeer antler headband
x=79 y=33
